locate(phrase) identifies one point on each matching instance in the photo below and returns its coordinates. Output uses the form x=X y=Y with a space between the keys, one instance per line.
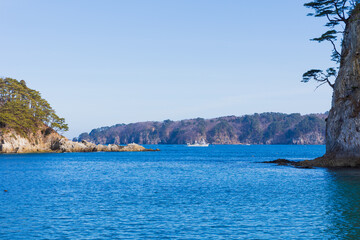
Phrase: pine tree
x=24 y=110
x=338 y=13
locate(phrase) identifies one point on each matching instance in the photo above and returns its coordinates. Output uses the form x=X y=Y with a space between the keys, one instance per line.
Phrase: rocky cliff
x=48 y=140
x=265 y=128
x=343 y=122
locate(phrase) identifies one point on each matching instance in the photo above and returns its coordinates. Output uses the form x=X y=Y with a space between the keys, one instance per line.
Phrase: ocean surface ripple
x=219 y=192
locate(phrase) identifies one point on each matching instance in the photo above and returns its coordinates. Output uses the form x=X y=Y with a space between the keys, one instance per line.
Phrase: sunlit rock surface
x=48 y=140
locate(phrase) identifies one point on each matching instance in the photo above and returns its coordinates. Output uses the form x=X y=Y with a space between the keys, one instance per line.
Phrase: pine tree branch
x=320 y=86
x=341 y=18
x=332 y=42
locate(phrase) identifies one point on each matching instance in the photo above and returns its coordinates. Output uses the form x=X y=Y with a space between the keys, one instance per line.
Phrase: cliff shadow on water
x=343 y=203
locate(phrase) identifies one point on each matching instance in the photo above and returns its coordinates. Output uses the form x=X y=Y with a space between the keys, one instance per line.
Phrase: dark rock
x=343 y=123
x=280 y=161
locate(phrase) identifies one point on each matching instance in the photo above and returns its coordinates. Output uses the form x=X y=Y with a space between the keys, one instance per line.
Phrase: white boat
x=202 y=143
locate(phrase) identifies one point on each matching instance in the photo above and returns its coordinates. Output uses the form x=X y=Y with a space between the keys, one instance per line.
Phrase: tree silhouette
x=337 y=13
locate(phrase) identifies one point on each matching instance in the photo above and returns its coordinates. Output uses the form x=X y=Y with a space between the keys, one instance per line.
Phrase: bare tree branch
x=332 y=42
x=319 y=86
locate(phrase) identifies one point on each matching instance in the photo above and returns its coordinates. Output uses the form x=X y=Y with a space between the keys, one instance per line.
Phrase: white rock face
x=343 y=124
x=47 y=140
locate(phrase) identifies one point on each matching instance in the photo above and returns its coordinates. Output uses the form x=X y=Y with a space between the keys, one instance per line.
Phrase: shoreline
x=320 y=162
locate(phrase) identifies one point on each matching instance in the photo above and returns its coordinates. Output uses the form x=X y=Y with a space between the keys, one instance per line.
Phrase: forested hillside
x=265 y=128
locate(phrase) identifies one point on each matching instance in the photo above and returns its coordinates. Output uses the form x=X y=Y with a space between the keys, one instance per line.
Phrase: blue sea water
x=219 y=192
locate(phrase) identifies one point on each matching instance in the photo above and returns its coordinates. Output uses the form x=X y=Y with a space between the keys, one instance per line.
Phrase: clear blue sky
x=105 y=62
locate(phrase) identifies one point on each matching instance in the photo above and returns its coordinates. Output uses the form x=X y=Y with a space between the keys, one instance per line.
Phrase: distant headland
x=264 y=128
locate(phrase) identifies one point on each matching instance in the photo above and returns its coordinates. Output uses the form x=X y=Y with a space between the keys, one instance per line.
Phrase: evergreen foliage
x=337 y=13
x=24 y=110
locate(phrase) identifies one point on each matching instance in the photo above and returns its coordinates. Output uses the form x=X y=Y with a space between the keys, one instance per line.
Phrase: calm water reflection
x=344 y=203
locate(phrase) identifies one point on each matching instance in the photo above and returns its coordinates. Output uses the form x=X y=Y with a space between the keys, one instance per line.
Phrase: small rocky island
x=343 y=123
x=28 y=125
x=342 y=135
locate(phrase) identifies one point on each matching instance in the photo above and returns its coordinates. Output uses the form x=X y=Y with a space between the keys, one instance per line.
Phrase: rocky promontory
x=28 y=124
x=343 y=123
x=48 y=140
x=324 y=162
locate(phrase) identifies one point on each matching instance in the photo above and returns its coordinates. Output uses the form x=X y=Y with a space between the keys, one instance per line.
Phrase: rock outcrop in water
x=27 y=123
x=48 y=140
x=343 y=122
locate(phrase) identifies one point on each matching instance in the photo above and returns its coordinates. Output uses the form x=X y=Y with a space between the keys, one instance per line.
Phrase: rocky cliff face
x=343 y=123
x=48 y=140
